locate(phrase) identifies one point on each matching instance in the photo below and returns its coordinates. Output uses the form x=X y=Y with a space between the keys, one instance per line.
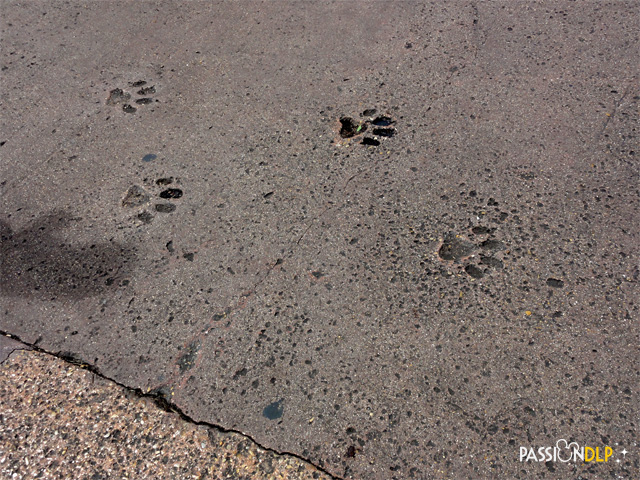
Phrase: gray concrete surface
x=420 y=308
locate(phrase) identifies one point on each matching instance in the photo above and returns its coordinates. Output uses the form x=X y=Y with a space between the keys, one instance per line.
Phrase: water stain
x=149 y=157
x=37 y=262
x=274 y=410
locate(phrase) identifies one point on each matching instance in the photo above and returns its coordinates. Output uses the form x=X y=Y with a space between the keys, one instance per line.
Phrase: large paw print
x=117 y=96
x=371 y=129
x=137 y=196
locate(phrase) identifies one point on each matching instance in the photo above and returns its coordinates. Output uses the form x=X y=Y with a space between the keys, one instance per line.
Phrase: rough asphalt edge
x=160 y=401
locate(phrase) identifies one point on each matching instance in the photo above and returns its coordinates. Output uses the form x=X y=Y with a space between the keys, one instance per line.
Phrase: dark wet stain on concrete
x=384 y=132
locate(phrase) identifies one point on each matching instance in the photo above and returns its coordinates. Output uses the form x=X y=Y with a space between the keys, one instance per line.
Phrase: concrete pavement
x=396 y=239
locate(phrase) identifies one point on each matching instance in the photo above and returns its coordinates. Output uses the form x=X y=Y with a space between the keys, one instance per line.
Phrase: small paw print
x=371 y=129
x=120 y=96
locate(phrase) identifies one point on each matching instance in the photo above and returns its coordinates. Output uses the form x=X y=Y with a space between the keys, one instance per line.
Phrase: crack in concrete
x=610 y=116
x=180 y=373
x=159 y=400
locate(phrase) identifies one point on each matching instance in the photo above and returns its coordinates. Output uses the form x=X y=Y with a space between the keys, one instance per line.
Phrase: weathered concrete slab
x=419 y=308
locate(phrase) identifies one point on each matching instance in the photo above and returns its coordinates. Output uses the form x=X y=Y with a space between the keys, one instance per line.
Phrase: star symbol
x=624 y=453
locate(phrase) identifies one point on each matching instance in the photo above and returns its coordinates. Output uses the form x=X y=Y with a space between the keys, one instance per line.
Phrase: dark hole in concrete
x=165 y=208
x=370 y=141
x=455 y=249
x=555 y=283
x=351 y=128
x=139 y=83
x=382 y=121
x=491 y=262
x=147 y=90
x=171 y=193
x=127 y=108
x=369 y=112
x=480 y=230
x=164 y=181
x=267 y=195
x=145 y=217
x=144 y=101
x=384 y=132
x=492 y=245
x=474 y=271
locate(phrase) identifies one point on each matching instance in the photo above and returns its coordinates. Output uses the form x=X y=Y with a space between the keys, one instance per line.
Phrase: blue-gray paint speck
x=273 y=411
x=149 y=157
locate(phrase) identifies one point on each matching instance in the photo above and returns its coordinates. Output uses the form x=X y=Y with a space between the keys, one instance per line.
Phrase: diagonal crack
x=160 y=400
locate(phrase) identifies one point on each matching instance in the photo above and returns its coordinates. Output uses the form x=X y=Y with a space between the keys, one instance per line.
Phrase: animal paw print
x=477 y=258
x=137 y=196
x=117 y=96
x=376 y=128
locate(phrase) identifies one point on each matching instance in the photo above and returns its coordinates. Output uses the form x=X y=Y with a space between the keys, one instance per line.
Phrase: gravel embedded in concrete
x=61 y=421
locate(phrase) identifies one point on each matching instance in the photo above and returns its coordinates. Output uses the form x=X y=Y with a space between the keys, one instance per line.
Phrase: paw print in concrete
x=141 y=197
x=477 y=258
x=119 y=96
x=370 y=129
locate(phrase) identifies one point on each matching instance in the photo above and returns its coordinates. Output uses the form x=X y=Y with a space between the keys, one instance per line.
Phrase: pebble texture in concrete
x=60 y=421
